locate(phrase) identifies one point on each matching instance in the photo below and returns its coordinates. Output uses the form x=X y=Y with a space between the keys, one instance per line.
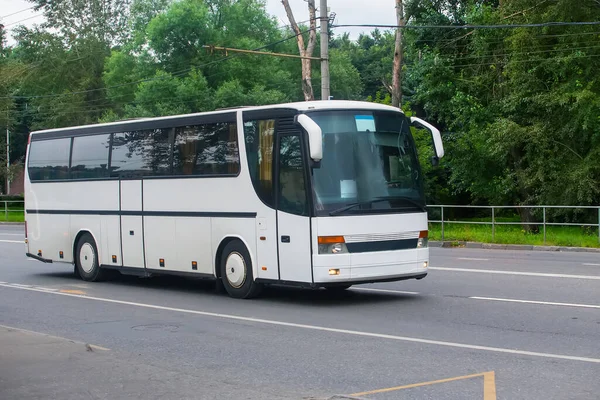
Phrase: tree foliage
x=519 y=108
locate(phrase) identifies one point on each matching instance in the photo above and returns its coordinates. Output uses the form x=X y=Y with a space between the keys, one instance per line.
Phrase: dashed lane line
x=538 y=274
x=549 y=303
x=321 y=328
x=12 y=241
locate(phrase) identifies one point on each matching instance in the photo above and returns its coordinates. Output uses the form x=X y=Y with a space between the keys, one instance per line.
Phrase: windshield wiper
x=378 y=200
x=409 y=200
x=350 y=206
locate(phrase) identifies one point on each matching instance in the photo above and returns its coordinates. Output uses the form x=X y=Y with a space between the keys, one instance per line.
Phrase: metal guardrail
x=495 y=223
x=9 y=207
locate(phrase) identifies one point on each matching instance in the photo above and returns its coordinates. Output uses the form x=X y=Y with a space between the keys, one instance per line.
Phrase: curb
x=495 y=246
x=11 y=223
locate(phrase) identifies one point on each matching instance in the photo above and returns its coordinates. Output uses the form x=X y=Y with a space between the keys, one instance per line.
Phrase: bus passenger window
x=89 y=157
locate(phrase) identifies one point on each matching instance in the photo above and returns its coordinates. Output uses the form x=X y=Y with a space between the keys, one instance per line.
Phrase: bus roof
x=299 y=106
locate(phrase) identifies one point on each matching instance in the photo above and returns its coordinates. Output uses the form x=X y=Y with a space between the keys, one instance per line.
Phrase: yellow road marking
x=72 y=291
x=489 y=385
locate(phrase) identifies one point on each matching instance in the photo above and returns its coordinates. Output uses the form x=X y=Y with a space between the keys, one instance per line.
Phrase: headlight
x=332 y=245
x=335 y=248
x=423 y=240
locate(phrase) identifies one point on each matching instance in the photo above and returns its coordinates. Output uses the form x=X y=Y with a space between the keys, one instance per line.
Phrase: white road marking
x=323 y=328
x=12 y=234
x=491 y=271
x=591 y=265
x=20 y=285
x=473 y=259
x=47 y=289
x=383 y=290
x=12 y=241
x=2 y=283
x=549 y=303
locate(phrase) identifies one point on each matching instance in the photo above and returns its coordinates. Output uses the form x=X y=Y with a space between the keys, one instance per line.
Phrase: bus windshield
x=369 y=164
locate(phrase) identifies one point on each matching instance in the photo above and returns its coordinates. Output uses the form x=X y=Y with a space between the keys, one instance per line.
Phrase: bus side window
x=89 y=158
x=292 y=188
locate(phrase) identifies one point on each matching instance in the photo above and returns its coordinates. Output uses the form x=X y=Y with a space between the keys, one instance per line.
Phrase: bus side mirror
x=315 y=136
x=435 y=135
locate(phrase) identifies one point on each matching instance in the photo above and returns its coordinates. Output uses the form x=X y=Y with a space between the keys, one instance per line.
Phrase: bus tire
x=86 y=259
x=236 y=272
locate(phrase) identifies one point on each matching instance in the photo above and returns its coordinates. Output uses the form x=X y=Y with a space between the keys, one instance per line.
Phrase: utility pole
x=397 y=70
x=7 y=155
x=324 y=51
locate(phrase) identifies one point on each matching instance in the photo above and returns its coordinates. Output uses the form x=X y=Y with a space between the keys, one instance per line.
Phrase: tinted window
x=90 y=157
x=49 y=159
x=209 y=149
x=259 y=138
x=141 y=153
x=292 y=189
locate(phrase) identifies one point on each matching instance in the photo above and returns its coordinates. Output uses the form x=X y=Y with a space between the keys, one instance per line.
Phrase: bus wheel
x=236 y=272
x=86 y=259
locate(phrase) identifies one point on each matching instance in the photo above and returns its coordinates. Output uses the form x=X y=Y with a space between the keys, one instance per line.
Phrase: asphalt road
x=485 y=324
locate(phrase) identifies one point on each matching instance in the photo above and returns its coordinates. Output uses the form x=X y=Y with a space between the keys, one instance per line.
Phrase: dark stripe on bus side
x=386 y=245
x=148 y=213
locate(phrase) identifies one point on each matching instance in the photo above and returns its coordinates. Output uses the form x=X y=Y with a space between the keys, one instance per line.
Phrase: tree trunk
x=528 y=220
x=307 y=51
x=397 y=70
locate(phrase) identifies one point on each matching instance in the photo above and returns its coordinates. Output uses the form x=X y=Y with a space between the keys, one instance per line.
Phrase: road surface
x=484 y=324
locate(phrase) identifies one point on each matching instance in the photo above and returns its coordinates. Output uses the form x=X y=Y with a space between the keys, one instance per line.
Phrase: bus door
x=132 y=234
x=293 y=221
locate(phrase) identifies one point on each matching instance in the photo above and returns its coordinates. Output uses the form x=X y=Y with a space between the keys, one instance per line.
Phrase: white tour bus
x=316 y=194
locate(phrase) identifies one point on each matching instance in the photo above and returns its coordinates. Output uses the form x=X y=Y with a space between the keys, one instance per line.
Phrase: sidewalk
x=39 y=366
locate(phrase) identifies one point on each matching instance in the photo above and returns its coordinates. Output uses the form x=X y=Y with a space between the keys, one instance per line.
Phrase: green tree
x=519 y=106
x=105 y=20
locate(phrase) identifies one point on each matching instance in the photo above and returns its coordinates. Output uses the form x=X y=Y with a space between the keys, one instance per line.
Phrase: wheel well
x=219 y=253
x=79 y=235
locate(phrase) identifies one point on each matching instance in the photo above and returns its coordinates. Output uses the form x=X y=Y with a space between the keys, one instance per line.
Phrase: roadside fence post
x=493 y=225
x=442 y=208
x=544 y=208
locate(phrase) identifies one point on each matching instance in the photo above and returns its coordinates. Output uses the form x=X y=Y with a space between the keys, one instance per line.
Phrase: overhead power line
x=502 y=26
x=24 y=19
x=177 y=73
x=17 y=12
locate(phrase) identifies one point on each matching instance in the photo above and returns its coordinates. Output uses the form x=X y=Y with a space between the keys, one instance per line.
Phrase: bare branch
x=294 y=25
x=307 y=88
